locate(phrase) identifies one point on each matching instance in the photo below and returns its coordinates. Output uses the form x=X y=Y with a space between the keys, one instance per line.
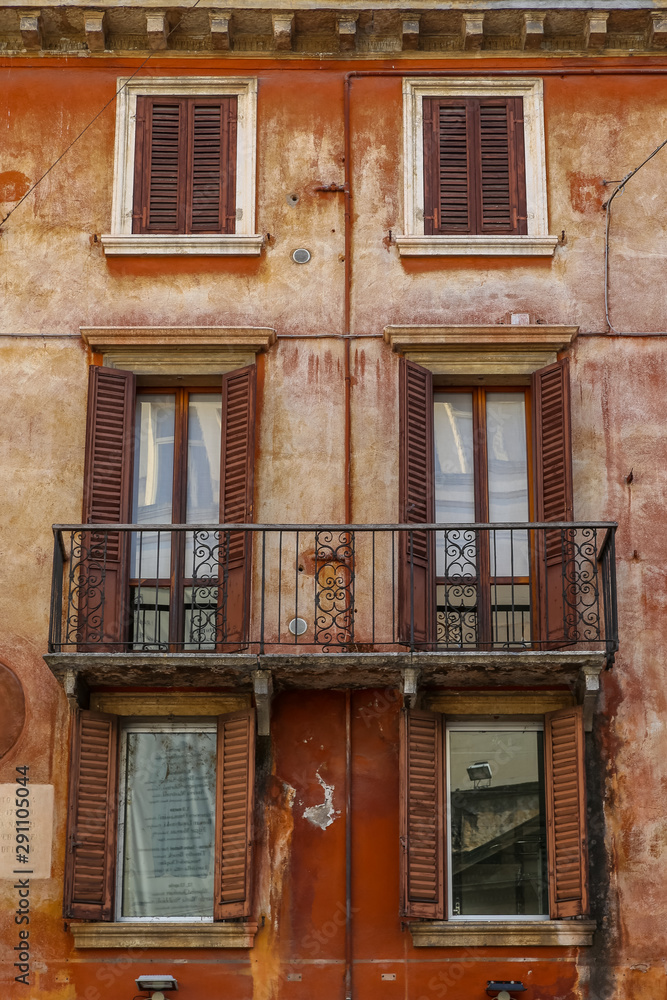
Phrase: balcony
x=331 y=604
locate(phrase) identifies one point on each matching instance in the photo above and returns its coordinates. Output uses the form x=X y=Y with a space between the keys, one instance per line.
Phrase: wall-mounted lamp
x=156 y=983
x=480 y=771
x=504 y=990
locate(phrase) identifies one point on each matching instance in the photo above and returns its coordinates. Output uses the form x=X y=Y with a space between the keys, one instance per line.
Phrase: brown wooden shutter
x=552 y=441
x=566 y=813
x=236 y=500
x=185 y=165
x=448 y=179
x=107 y=499
x=422 y=819
x=474 y=166
x=416 y=583
x=139 y=191
x=501 y=166
x=234 y=814
x=211 y=201
x=164 y=166
x=92 y=817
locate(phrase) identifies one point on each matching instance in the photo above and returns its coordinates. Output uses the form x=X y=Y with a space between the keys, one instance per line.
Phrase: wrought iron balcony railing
x=333 y=588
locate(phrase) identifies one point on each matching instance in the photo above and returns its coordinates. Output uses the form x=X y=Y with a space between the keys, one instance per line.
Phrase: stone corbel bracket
x=657 y=29
x=94 y=23
x=532 y=29
x=346 y=26
x=283 y=31
x=410 y=687
x=587 y=689
x=76 y=689
x=221 y=35
x=410 y=32
x=595 y=30
x=472 y=32
x=30 y=26
x=262 y=684
x=157 y=30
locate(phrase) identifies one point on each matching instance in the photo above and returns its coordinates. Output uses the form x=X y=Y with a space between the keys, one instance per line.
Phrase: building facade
x=333 y=524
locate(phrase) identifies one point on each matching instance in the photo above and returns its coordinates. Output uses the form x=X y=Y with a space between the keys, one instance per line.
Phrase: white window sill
x=502 y=933
x=148 y=244
x=163 y=935
x=476 y=246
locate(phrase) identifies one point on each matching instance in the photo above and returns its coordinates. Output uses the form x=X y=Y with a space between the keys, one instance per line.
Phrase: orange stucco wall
x=54 y=278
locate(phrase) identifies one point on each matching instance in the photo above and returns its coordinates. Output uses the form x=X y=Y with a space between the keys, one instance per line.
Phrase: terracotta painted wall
x=54 y=278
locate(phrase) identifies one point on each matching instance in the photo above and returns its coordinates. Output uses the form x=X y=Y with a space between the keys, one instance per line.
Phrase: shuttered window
x=114 y=564
x=185 y=165
x=469 y=484
x=500 y=804
x=93 y=825
x=474 y=166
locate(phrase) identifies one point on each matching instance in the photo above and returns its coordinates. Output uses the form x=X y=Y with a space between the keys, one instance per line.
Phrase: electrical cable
x=620 y=188
x=94 y=119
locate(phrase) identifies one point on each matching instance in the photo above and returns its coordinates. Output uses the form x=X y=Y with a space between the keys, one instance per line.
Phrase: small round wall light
x=301 y=256
x=298 y=626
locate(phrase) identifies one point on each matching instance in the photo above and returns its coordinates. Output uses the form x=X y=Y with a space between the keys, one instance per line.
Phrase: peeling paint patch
x=323 y=814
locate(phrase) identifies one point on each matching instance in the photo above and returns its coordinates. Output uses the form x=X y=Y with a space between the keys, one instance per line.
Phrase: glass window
x=482 y=476
x=496 y=821
x=174 y=575
x=167 y=820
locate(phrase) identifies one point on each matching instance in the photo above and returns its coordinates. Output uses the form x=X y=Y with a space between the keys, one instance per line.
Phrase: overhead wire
x=95 y=117
x=620 y=188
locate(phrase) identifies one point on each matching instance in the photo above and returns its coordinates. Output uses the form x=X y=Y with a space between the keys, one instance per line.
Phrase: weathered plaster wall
x=54 y=279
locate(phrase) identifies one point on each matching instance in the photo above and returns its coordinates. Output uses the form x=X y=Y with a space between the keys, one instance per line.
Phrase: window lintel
x=472 y=351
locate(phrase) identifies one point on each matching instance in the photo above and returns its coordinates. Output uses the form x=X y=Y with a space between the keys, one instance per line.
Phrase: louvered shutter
x=234 y=814
x=448 y=179
x=422 y=819
x=159 y=204
x=553 y=495
x=107 y=499
x=236 y=501
x=416 y=583
x=501 y=167
x=474 y=166
x=211 y=197
x=566 y=813
x=185 y=165
x=92 y=817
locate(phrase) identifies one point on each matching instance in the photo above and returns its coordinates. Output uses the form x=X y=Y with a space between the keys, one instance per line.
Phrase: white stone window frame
x=414 y=243
x=245 y=241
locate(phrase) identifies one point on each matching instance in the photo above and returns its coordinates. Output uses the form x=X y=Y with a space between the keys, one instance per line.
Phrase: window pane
x=497 y=823
x=454 y=481
x=153 y=483
x=507 y=463
x=203 y=617
x=204 y=420
x=169 y=828
x=150 y=617
x=203 y=496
